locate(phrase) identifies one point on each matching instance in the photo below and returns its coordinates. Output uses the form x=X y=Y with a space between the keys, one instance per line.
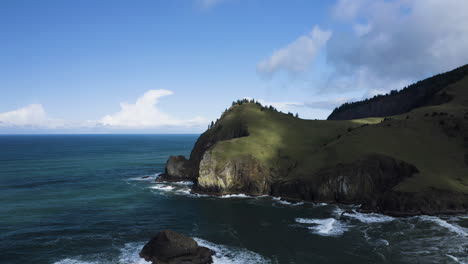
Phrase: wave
x=129 y=254
x=150 y=177
x=324 y=227
x=278 y=200
x=369 y=218
x=239 y=195
x=162 y=187
x=452 y=227
x=232 y=255
x=74 y=261
x=453 y=258
x=183 y=183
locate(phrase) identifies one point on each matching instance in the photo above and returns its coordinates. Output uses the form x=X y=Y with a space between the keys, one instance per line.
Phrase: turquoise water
x=81 y=199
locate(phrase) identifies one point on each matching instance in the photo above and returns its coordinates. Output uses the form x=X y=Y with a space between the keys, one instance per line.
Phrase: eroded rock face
x=364 y=181
x=169 y=247
x=241 y=175
x=177 y=169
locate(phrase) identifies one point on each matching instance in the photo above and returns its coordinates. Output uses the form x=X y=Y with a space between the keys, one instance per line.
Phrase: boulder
x=177 y=169
x=169 y=247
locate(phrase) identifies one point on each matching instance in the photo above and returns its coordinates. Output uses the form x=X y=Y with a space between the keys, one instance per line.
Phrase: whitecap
x=182 y=183
x=454 y=258
x=239 y=195
x=150 y=177
x=74 y=261
x=129 y=254
x=338 y=211
x=280 y=201
x=162 y=187
x=452 y=227
x=232 y=255
x=324 y=227
x=320 y=204
x=369 y=218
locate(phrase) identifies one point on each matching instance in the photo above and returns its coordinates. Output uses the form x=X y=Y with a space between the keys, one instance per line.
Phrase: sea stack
x=169 y=247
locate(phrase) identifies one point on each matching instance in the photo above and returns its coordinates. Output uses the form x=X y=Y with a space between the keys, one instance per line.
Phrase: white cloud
x=348 y=9
x=297 y=56
x=401 y=41
x=32 y=115
x=140 y=116
x=145 y=114
x=362 y=29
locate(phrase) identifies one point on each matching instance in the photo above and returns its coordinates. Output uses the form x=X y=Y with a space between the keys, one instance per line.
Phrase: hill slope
x=406 y=164
x=423 y=93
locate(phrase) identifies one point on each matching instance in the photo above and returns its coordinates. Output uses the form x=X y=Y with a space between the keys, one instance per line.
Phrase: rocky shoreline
x=373 y=179
x=369 y=181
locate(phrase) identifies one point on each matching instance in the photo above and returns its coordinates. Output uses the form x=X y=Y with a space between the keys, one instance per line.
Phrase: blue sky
x=173 y=66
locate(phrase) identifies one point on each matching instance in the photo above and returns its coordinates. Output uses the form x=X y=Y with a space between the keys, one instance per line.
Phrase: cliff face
x=242 y=175
x=424 y=93
x=362 y=181
x=408 y=164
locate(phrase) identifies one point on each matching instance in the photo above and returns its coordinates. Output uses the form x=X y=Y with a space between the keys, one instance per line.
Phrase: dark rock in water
x=145 y=177
x=177 y=169
x=169 y=247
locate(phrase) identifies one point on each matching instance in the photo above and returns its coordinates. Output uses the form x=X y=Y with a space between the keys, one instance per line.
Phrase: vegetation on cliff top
x=423 y=93
x=432 y=138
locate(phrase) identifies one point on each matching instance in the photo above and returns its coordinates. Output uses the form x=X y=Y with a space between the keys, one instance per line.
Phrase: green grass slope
x=434 y=139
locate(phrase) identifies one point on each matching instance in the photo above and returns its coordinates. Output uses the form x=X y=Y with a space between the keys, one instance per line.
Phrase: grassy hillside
x=432 y=138
x=420 y=94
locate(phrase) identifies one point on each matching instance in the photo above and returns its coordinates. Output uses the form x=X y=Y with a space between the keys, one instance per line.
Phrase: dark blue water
x=81 y=199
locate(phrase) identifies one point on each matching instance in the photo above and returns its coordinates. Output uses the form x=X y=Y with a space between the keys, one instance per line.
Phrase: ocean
x=82 y=199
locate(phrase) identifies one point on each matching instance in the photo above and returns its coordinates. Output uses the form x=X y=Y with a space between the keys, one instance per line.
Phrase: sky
x=114 y=66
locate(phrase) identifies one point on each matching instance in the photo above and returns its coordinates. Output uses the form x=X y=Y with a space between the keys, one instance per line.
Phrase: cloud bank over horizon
x=144 y=114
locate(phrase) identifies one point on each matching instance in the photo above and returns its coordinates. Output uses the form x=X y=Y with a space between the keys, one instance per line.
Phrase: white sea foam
x=129 y=254
x=452 y=227
x=74 y=261
x=382 y=242
x=239 y=195
x=278 y=200
x=324 y=227
x=151 y=177
x=182 y=183
x=231 y=255
x=320 y=204
x=162 y=187
x=453 y=258
x=337 y=211
x=370 y=218
x=185 y=183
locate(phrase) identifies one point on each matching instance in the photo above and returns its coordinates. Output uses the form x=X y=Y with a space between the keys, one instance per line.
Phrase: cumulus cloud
x=141 y=115
x=144 y=113
x=400 y=42
x=32 y=115
x=389 y=44
x=297 y=56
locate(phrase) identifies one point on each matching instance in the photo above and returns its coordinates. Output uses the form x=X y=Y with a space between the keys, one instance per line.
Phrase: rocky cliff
x=414 y=163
